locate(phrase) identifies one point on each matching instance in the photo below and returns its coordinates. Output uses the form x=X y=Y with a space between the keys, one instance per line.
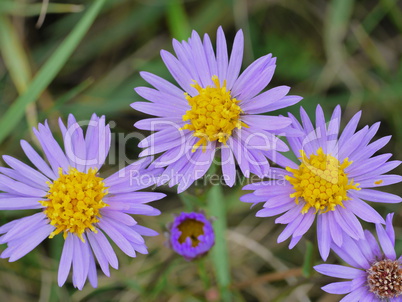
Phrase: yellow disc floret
x=213 y=114
x=191 y=228
x=74 y=201
x=321 y=182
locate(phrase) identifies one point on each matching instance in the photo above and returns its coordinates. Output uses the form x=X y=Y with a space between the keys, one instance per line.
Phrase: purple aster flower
x=376 y=272
x=191 y=235
x=335 y=174
x=214 y=108
x=75 y=201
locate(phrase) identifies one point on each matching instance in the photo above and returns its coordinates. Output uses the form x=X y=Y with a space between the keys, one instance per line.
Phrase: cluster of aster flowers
x=217 y=111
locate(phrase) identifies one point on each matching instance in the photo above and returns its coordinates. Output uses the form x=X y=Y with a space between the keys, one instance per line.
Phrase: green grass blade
x=178 y=21
x=23 y=9
x=48 y=71
x=394 y=11
x=14 y=56
x=337 y=22
x=217 y=208
x=68 y=96
x=308 y=259
x=16 y=60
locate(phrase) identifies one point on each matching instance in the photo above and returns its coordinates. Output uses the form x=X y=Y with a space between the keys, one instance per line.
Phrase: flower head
x=76 y=201
x=215 y=108
x=333 y=176
x=191 y=235
x=376 y=273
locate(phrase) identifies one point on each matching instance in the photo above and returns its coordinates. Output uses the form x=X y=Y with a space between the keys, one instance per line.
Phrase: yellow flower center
x=191 y=228
x=213 y=114
x=74 y=201
x=321 y=182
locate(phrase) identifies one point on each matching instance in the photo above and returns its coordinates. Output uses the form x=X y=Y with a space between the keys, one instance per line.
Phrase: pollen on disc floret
x=214 y=113
x=191 y=235
x=73 y=202
x=191 y=228
x=321 y=182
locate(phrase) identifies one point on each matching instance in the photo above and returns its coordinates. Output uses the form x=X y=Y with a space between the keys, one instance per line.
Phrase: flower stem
x=203 y=273
x=216 y=207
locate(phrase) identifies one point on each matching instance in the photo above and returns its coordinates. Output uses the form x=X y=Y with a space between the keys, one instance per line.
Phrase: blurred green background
x=83 y=57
